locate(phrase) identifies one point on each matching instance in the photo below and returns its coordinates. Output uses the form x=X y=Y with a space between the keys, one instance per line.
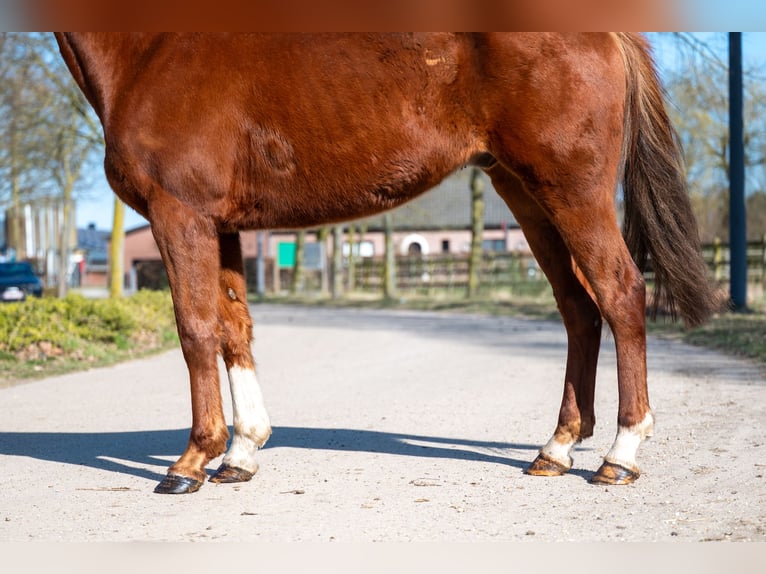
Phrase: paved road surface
x=392 y=426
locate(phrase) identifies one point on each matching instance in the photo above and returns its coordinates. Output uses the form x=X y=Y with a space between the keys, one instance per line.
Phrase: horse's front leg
x=188 y=243
x=251 y=421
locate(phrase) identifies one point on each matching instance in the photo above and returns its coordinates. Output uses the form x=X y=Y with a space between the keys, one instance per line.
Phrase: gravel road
x=389 y=426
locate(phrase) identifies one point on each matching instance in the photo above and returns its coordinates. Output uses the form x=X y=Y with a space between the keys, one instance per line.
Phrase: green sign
x=286 y=255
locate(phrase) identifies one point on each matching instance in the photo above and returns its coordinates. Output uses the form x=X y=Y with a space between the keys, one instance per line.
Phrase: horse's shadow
x=129 y=452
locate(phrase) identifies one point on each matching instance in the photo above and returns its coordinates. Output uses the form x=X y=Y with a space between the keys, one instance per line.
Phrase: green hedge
x=69 y=322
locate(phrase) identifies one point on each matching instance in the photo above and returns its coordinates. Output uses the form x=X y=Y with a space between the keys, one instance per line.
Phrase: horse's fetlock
x=212 y=443
x=587 y=424
x=257 y=433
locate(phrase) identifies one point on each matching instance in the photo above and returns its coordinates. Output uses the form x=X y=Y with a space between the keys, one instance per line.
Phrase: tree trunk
x=260 y=266
x=300 y=247
x=389 y=264
x=116 y=249
x=13 y=241
x=65 y=231
x=322 y=234
x=337 y=262
x=477 y=231
x=351 y=285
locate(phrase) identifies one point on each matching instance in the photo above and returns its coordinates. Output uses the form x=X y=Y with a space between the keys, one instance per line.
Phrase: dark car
x=17 y=281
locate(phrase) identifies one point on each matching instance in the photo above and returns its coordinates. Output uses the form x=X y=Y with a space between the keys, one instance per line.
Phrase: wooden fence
x=421 y=275
x=519 y=273
x=718 y=257
x=448 y=273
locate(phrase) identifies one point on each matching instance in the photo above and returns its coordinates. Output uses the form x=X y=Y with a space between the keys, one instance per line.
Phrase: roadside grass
x=741 y=334
x=49 y=336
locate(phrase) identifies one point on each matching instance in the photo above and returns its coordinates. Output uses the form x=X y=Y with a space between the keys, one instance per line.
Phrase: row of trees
x=697 y=86
x=50 y=139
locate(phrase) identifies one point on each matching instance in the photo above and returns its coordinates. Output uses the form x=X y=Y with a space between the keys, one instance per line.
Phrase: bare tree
x=49 y=135
x=24 y=139
x=698 y=92
x=69 y=158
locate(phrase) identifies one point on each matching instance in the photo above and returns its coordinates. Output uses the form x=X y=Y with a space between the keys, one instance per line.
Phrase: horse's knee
x=199 y=344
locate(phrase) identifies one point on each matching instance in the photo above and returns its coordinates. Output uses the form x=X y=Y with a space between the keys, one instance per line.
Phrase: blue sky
x=743 y=15
x=96 y=204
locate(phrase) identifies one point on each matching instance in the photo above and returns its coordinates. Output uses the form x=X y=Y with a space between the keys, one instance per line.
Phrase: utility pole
x=260 y=267
x=737 y=219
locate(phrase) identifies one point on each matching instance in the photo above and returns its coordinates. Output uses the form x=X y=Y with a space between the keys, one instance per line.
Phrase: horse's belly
x=310 y=131
x=344 y=189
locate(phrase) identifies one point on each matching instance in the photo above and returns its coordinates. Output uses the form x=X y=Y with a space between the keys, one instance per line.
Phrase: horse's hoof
x=611 y=473
x=544 y=466
x=226 y=473
x=177 y=484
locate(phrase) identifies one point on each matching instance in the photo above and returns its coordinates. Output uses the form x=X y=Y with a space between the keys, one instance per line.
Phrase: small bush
x=67 y=325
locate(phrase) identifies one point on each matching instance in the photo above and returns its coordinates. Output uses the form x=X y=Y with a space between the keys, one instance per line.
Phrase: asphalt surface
x=389 y=426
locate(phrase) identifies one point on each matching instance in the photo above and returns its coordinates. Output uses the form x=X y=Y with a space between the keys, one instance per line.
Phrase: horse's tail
x=659 y=225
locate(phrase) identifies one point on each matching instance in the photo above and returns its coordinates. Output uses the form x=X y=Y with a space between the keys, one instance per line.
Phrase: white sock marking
x=623 y=451
x=559 y=451
x=252 y=427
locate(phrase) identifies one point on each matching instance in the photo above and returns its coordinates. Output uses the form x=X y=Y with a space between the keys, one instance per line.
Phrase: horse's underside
x=207 y=135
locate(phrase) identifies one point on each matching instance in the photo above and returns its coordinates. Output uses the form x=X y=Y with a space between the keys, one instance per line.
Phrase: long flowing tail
x=659 y=226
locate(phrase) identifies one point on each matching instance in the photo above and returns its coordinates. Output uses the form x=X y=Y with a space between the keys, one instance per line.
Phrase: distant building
x=92 y=257
x=32 y=232
x=439 y=221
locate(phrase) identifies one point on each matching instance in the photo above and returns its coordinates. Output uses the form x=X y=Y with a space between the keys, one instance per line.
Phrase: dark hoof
x=177 y=484
x=226 y=473
x=544 y=466
x=611 y=473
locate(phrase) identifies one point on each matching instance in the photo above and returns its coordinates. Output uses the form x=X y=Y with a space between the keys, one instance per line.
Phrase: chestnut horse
x=210 y=134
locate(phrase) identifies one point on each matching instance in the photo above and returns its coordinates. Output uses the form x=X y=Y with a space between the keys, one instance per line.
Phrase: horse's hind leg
x=188 y=243
x=251 y=421
x=585 y=219
x=582 y=320
x=558 y=123
x=596 y=245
